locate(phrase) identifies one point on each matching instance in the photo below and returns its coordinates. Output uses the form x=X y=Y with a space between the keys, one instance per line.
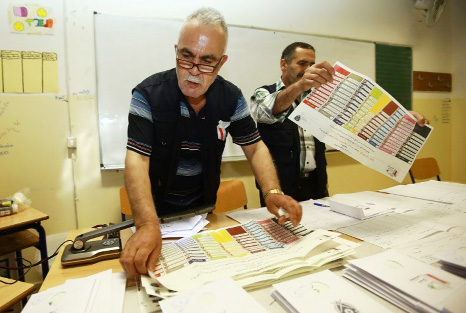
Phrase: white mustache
x=193 y=79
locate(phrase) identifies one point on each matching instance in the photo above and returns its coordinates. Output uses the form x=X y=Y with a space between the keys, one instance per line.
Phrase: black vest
x=283 y=142
x=164 y=96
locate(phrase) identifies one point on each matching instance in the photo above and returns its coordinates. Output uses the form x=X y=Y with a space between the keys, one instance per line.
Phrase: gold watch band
x=273 y=191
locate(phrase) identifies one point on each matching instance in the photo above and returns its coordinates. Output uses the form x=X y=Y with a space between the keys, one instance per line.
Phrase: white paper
x=326 y=292
x=222 y=295
x=410 y=279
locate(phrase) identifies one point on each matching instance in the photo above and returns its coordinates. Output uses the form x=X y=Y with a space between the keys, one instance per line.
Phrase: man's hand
x=316 y=76
x=295 y=212
x=142 y=250
x=421 y=120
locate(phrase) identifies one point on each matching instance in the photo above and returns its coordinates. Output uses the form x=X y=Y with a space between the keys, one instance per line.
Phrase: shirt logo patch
x=222 y=130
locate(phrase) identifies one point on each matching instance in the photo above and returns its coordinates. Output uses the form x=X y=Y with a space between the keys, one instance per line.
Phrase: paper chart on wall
x=250 y=249
x=358 y=117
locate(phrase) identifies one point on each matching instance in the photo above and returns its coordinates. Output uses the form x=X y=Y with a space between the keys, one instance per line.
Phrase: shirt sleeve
x=140 y=125
x=262 y=102
x=243 y=129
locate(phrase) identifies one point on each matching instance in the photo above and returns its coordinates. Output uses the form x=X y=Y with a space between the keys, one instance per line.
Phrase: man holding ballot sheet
x=298 y=156
x=178 y=123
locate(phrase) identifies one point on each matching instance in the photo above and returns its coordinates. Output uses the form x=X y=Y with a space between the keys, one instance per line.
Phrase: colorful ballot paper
x=358 y=117
x=254 y=254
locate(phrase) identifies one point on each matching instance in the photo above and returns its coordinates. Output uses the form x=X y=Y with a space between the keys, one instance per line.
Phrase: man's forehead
x=304 y=54
x=203 y=39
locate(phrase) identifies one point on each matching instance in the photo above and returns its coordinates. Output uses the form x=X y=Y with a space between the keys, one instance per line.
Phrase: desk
x=58 y=274
x=11 y=294
x=25 y=219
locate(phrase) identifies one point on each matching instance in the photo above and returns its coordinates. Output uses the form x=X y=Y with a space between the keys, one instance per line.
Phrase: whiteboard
x=129 y=49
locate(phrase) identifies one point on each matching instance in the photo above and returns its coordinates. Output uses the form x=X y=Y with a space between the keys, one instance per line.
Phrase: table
x=18 y=224
x=59 y=274
x=11 y=294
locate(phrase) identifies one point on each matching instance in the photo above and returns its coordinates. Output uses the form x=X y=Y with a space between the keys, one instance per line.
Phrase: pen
x=320 y=204
x=138 y=282
x=283 y=212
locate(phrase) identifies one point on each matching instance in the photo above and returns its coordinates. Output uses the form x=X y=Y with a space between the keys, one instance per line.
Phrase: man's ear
x=224 y=59
x=283 y=65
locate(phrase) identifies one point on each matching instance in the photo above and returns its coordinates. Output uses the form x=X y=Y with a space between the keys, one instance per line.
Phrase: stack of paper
x=409 y=283
x=254 y=254
x=185 y=227
x=454 y=259
x=99 y=293
x=362 y=205
x=222 y=295
x=323 y=292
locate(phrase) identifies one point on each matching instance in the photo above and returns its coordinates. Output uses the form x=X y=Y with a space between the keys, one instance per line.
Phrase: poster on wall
x=31 y=19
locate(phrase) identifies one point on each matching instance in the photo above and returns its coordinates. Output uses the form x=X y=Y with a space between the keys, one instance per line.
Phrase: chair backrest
x=424 y=168
x=124 y=203
x=231 y=195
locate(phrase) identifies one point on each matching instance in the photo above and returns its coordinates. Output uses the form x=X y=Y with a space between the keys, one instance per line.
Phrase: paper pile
x=185 y=227
x=254 y=254
x=362 y=205
x=323 y=292
x=409 y=283
x=99 y=293
x=453 y=260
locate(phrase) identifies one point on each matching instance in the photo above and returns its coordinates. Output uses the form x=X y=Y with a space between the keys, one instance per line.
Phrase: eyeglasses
x=203 y=68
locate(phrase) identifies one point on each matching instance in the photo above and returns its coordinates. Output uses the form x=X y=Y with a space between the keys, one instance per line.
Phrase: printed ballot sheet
x=408 y=283
x=323 y=292
x=358 y=117
x=254 y=254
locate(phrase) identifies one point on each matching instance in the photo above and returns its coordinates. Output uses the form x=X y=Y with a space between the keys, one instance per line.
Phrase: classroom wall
x=69 y=185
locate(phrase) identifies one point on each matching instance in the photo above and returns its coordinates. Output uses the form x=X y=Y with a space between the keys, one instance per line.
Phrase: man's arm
x=313 y=77
x=143 y=248
x=264 y=170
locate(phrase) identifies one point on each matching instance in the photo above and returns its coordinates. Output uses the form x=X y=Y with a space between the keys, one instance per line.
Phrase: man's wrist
x=275 y=191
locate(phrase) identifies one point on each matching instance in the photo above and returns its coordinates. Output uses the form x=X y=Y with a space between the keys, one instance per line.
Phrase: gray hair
x=209 y=16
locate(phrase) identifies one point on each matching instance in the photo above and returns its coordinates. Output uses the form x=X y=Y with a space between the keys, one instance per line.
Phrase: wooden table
x=17 y=225
x=12 y=294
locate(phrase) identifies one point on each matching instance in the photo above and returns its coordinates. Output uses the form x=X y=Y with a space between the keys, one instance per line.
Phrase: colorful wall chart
x=28 y=72
x=31 y=19
x=362 y=121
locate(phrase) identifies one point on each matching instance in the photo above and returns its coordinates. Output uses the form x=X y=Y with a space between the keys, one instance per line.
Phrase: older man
x=176 y=135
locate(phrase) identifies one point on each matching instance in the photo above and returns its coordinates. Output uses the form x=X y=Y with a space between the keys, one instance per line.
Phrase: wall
x=72 y=189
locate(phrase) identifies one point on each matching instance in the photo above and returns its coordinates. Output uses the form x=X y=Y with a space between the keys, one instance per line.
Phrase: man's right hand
x=316 y=76
x=142 y=250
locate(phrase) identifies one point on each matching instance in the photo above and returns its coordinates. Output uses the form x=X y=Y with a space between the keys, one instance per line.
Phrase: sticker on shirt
x=222 y=130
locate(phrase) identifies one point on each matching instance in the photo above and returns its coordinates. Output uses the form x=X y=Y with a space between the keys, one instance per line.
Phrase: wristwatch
x=273 y=191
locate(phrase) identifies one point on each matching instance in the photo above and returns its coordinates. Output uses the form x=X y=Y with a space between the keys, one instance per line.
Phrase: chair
x=124 y=203
x=231 y=195
x=423 y=169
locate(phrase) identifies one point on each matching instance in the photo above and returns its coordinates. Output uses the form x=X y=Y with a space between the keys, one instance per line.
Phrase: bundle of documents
x=222 y=295
x=362 y=205
x=185 y=227
x=254 y=254
x=99 y=293
x=323 y=292
x=409 y=283
x=453 y=260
